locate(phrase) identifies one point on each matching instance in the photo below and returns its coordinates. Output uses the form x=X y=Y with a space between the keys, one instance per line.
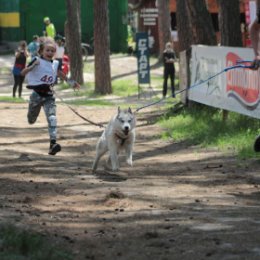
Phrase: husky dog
x=119 y=134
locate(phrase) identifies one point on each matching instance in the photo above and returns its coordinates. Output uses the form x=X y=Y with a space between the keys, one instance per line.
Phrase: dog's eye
x=129 y=121
x=121 y=120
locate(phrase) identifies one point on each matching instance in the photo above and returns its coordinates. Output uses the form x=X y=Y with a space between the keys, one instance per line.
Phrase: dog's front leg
x=114 y=158
x=129 y=154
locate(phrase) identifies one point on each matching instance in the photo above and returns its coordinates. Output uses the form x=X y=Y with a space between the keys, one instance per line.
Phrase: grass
x=124 y=87
x=24 y=245
x=89 y=102
x=204 y=126
x=11 y=99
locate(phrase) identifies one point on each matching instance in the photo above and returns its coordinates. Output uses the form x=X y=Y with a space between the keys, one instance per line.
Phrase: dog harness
x=122 y=139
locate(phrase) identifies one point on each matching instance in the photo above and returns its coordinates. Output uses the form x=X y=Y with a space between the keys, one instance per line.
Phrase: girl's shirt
x=44 y=73
x=43 y=76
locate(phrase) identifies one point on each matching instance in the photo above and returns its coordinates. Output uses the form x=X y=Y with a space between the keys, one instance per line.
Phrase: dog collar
x=123 y=139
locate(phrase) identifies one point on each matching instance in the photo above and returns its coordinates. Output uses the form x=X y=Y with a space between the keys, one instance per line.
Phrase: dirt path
x=177 y=202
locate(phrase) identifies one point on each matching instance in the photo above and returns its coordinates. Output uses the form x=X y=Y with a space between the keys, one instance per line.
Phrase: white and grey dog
x=119 y=134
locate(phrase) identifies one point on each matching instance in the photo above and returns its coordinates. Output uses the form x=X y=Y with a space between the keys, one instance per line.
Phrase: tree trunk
x=73 y=33
x=201 y=22
x=183 y=25
x=229 y=23
x=164 y=22
x=102 y=48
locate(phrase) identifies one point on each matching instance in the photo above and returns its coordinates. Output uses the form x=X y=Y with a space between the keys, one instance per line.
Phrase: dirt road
x=177 y=202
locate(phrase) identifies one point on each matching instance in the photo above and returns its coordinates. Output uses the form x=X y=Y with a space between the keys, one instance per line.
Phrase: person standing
x=169 y=69
x=59 y=51
x=41 y=75
x=21 y=55
x=254 y=31
x=33 y=46
x=49 y=28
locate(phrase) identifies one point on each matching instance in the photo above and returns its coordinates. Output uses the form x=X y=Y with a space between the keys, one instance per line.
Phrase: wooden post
x=184 y=71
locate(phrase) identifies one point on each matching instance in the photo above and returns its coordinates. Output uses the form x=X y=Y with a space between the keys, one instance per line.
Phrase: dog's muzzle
x=126 y=130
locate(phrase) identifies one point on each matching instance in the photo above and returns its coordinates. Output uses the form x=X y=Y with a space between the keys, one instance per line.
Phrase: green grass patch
x=18 y=244
x=11 y=99
x=124 y=88
x=5 y=70
x=203 y=126
x=89 y=102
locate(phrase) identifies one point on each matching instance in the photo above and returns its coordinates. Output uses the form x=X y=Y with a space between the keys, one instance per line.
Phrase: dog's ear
x=118 y=110
x=129 y=110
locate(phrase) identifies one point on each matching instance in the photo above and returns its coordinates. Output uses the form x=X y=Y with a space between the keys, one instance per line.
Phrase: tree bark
x=183 y=25
x=164 y=22
x=201 y=23
x=229 y=23
x=73 y=33
x=102 y=48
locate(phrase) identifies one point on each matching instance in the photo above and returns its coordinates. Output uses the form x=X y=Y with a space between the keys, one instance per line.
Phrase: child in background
x=21 y=55
x=59 y=51
x=41 y=75
x=33 y=46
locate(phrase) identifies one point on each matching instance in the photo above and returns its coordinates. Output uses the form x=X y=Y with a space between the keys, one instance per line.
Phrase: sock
x=52 y=143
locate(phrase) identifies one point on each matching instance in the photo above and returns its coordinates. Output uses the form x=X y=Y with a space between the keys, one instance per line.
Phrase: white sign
x=236 y=90
x=149 y=16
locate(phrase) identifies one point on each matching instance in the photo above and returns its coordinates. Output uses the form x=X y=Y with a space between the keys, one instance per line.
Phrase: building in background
x=144 y=15
x=21 y=19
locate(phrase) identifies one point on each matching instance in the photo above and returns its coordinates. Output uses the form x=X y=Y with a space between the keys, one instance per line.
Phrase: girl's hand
x=73 y=84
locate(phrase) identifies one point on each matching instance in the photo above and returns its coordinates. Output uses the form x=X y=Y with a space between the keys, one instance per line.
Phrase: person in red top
x=21 y=55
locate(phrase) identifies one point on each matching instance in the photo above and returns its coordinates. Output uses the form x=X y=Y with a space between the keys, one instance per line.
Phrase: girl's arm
x=30 y=67
x=72 y=83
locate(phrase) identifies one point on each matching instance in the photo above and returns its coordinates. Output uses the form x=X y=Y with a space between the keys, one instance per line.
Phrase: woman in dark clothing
x=20 y=61
x=169 y=69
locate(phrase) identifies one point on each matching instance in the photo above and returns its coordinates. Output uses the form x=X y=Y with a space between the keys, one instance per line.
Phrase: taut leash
x=240 y=65
x=76 y=113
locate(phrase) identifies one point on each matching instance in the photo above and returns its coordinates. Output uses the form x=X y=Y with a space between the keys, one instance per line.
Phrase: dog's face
x=125 y=120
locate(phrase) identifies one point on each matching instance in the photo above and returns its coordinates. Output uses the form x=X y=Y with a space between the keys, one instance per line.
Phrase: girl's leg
x=50 y=112
x=35 y=104
x=16 y=83
x=21 y=79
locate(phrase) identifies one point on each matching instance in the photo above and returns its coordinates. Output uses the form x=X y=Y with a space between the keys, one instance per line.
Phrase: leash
x=76 y=113
x=239 y=65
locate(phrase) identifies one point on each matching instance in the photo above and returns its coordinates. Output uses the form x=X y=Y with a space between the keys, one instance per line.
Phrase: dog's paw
x=129 y=162
x=115 y=170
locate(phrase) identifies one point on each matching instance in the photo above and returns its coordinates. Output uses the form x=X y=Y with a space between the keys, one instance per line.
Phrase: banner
x=236 y=90
x=143 y=64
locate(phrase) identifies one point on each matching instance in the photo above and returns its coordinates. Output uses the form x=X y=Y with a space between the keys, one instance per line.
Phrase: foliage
x=25 y=245
x=204 y=126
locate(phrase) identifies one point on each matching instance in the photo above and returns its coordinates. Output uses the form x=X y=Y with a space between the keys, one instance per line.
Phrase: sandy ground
x=176 y=202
